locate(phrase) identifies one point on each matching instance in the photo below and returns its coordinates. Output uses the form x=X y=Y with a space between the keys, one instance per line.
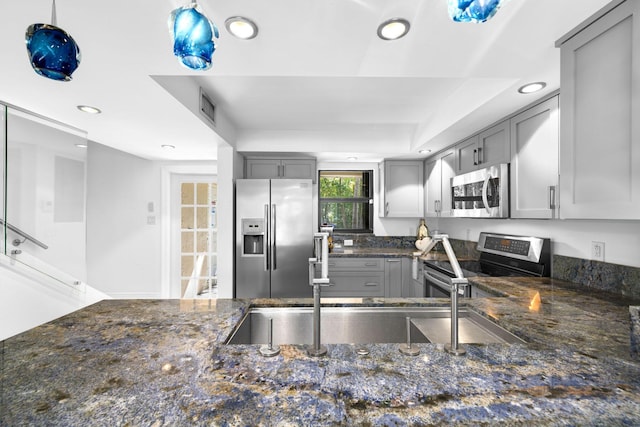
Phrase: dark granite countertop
x=163 y=363
x=381 y=252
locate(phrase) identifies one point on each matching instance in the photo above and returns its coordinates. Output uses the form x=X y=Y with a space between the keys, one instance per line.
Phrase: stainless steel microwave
x=483 y=193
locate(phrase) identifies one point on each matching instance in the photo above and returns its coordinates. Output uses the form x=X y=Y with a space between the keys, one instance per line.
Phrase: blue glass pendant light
x=193 y=35
x=473 y=10
x=53 y=53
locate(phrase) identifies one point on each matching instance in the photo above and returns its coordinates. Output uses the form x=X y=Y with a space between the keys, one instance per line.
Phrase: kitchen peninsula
x=164 y=362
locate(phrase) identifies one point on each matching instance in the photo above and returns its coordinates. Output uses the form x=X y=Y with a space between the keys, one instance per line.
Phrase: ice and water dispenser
x=253 y=235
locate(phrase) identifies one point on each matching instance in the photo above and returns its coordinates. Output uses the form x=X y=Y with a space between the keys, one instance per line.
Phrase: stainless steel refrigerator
x=274 y=238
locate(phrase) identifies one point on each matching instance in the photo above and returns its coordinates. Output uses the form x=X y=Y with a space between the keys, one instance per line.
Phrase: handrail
x=23 y=234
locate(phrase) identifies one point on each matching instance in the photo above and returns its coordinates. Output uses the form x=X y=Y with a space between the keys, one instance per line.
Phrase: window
x=346 y=200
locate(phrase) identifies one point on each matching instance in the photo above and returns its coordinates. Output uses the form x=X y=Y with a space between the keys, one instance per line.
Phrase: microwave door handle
x=485 y=198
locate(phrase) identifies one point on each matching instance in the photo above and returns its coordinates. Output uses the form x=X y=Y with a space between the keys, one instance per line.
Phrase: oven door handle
x=437 y=280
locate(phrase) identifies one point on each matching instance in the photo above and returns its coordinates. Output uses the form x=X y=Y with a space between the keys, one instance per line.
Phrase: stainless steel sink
x=362 y=325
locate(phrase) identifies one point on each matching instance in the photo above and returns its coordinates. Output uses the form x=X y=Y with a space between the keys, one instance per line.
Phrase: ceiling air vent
x=207 y=108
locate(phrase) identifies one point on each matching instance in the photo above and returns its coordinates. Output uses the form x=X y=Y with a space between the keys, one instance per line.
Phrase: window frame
x=366 y=200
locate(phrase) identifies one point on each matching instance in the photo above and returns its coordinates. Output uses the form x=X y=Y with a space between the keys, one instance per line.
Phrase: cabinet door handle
x=475 y=157
x=372 y=284
x=552 y=197
x=370 y=264
x=284 y=171
x=480 y=156
x=393 y=260
x=386 y=208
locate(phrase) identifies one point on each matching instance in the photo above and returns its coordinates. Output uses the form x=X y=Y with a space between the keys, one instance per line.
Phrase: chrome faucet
x=457 y=287
x=321 y=252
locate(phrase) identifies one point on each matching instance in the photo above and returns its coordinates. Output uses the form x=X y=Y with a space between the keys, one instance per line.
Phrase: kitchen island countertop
x=164 y=363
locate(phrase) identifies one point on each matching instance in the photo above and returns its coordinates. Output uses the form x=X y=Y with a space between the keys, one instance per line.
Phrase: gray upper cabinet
x=401 y=189
x=534 y=165
x=489 y=147
x=280 y=168
x=439 y=170
x=600 y=129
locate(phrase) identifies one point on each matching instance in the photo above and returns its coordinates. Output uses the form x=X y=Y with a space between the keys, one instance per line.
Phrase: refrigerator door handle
x=273 y=234
x=265 y=241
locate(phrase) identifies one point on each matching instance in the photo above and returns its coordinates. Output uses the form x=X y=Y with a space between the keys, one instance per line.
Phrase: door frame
x=168 y=172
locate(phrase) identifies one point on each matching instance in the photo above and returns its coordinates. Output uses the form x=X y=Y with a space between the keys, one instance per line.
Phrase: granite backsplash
x=462 y=248
x=634 y=314
x=618 y=279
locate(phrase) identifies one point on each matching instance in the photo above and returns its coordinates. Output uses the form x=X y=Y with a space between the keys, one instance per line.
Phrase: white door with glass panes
x=194 y=236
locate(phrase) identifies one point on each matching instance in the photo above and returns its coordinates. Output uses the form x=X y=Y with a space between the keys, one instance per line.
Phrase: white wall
x=569 y=237
x=123 y=250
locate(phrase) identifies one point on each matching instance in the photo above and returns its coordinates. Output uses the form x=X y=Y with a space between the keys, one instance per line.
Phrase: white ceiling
x=317 y=79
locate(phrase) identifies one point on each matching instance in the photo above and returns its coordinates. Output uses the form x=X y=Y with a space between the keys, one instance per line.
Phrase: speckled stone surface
x=383 y=252
x=390 y=246
x=620 y=279
x=164 y=363
x=634 y=316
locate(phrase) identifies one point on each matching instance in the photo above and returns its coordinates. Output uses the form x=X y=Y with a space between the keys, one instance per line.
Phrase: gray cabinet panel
x=599 y=155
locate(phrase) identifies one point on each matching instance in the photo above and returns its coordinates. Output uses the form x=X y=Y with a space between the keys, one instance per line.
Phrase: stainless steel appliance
x=274 y=238
x=500 y=255
x=481 y=194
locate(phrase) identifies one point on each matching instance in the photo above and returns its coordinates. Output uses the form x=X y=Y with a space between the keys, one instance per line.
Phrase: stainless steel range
x=500 y=255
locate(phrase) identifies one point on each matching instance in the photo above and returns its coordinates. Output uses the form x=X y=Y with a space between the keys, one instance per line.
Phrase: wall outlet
x=348 y=242
x=597 y=251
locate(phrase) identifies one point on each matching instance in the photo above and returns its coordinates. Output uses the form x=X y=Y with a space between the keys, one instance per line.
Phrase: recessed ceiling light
x=353 y=159
x=532 y=87
x=89 y=109
x=241 y=27
x=424 y=151
x=81 y=145
x=168 y=146
x=393 y=29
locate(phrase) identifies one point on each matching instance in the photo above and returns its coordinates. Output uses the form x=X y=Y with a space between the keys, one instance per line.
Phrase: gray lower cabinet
x=411 y=288
x=356 y=277
x=372 y=277
x=393 y=273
